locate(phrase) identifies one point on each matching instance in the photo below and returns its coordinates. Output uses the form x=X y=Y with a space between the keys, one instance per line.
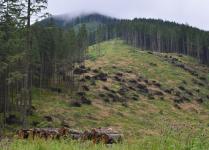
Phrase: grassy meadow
x=146 y=124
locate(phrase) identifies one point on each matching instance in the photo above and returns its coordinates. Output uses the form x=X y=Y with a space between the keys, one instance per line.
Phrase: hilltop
x=148 y=34
x=66 y=21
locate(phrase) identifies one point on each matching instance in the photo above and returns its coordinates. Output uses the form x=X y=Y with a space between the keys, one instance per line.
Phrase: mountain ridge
x=68 y=17
x=148 y=34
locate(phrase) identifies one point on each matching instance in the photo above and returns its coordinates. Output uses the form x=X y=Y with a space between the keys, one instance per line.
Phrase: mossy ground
x=145 y=123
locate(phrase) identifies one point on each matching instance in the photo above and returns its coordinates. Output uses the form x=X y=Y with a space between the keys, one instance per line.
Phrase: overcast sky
x=192 y=12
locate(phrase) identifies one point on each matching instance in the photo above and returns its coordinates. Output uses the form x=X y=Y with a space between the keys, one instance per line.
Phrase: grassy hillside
x=153 y=101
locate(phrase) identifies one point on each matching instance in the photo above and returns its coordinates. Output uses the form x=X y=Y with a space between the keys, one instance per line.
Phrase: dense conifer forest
x=147 y=34
x=34 y=56
x=161 y=36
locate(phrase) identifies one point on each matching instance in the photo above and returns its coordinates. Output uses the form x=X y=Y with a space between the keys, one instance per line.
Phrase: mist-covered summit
x=69 y=20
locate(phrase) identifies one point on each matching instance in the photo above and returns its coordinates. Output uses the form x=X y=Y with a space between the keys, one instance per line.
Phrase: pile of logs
x=102 y=135
x=99 y=135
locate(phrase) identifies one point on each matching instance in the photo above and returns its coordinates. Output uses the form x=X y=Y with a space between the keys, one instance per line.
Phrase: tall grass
x=148 y=143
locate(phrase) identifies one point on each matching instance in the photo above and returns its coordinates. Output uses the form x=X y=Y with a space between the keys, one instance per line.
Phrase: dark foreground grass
x=151 y=143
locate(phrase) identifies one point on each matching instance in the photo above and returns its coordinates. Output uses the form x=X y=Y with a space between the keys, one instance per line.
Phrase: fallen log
x=103 y=135
x=46 y=133
x=97 y=135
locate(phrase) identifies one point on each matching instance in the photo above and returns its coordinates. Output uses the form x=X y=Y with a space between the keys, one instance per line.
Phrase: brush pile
x=97 y=135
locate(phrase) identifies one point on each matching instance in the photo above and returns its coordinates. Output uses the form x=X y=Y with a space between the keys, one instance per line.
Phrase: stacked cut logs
x=99 y=135
x=46 y=133
x=102 y=135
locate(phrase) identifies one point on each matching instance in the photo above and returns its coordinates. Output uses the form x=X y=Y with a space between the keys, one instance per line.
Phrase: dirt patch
x=191 y=107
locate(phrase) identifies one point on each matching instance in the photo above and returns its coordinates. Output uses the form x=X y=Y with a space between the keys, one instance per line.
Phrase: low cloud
x=192 y=12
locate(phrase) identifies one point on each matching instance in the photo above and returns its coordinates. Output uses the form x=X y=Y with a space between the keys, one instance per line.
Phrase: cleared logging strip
x=99 y=135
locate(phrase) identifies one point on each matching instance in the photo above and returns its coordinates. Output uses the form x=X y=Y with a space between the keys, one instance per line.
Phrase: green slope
x=147 y=120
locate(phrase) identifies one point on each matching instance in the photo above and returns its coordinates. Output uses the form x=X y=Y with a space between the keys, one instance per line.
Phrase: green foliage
x=15 y=55
x=146 y=144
